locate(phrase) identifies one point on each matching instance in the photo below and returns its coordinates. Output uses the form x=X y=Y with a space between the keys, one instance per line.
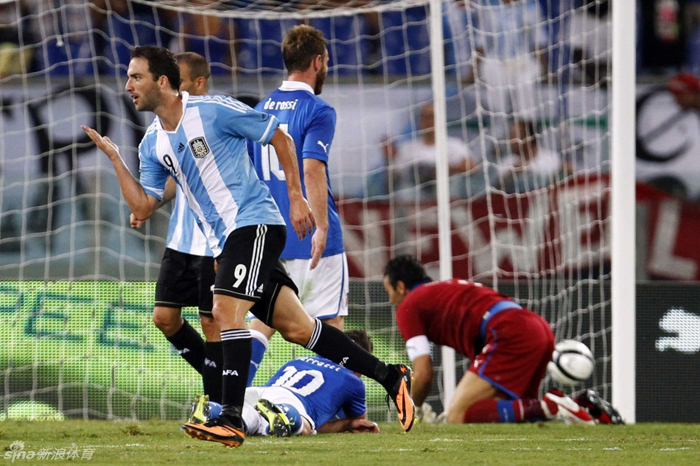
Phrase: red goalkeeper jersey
x=448 y=313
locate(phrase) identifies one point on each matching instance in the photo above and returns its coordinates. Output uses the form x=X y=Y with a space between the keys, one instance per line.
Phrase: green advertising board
x=89 y=349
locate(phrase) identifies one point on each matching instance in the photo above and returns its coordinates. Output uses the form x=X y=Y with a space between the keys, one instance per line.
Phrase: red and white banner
x=553 y=232
x=557 y=229
x=673 y=227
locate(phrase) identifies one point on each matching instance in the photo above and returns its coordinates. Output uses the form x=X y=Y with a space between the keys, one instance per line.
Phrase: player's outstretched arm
x=422 y=379
x=316 y=186
x=354 y=425
x=299 y=211
x=140 y=203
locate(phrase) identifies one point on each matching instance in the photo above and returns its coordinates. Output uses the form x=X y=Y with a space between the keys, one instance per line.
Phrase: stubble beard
x=145 y=105
x=320 y=79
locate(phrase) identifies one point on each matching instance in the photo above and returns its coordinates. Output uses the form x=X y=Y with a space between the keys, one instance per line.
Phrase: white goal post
x=623 y=293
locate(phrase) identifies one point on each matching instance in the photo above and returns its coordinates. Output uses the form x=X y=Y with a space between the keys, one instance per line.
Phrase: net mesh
x=527 y=108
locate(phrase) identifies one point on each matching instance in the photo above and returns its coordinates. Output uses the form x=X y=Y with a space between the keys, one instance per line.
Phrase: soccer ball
x=572 y=363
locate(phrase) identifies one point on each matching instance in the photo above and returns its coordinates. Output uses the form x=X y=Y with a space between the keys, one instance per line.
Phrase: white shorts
x=511 y=85
x=276 y=395
x=324 y=290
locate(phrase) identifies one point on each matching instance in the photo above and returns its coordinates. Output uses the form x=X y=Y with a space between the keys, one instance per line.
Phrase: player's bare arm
x=317 y=191
x=299 y=211
x=422 y=379
x=168 y=195
x=140 y=203
x=355 y=425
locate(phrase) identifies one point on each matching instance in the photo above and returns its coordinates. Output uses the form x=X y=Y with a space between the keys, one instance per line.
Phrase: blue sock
x=506 y=412
x=259 y=347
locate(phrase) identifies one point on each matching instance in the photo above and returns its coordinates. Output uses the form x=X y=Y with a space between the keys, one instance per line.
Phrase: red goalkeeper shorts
x=518 y=344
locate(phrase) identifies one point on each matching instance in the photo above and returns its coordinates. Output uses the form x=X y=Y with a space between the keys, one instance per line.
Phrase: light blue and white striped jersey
x=310 y=121
x=184 y=232
x=207 y=156
x=323 y=387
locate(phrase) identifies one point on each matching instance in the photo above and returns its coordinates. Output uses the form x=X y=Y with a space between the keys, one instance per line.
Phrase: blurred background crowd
x=520 y=53
x=668 y=34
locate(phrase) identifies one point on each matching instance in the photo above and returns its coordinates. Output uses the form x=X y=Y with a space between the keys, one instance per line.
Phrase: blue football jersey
x=311 y=123
x=184 y=232
x=323 y=387
x=208 y=158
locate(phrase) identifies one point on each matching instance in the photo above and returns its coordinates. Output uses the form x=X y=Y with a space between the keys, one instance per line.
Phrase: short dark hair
x=361 y=338
x=301 y=45
x=199 y=68
x=406 y=268
x=161 y=62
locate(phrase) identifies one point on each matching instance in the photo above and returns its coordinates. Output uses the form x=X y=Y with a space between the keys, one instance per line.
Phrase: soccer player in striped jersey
x=201 y=143
x=187 y=268
x=317 y=264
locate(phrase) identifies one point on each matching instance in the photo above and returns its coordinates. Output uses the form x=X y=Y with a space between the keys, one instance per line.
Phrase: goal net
x=526 y=101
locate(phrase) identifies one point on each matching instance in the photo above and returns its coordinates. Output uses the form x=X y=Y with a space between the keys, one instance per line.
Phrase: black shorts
x=248 y=258
x=185 y=280
x=263 y=309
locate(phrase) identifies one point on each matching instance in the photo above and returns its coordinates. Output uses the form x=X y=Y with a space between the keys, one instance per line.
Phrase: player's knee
x=220 y=313
x=209 y=327
x=229 y=315
x=455 y=416
x=168 y=323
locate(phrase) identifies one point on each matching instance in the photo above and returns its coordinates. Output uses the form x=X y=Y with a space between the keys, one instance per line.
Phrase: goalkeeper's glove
x=441 y=418
x=426 y=414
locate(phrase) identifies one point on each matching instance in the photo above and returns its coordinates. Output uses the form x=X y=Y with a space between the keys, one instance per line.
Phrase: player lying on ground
x=201 y=143
x=509 y=347
x=304 y=397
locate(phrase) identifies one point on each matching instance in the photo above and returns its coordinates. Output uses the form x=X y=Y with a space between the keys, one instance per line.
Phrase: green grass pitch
x=157 y=442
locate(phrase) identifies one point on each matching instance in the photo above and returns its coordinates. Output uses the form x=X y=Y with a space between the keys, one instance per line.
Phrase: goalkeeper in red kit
x=508 y=346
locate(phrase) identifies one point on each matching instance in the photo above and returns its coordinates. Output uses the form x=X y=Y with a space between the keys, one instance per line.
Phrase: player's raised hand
x=135 y=223
x=318 y=245
x=301 y=216
x=103 y=143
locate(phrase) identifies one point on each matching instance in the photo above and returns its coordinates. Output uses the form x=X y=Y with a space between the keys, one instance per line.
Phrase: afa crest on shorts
x=199 y=147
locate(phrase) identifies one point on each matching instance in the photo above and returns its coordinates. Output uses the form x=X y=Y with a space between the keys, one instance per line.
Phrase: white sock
x=253 y=422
